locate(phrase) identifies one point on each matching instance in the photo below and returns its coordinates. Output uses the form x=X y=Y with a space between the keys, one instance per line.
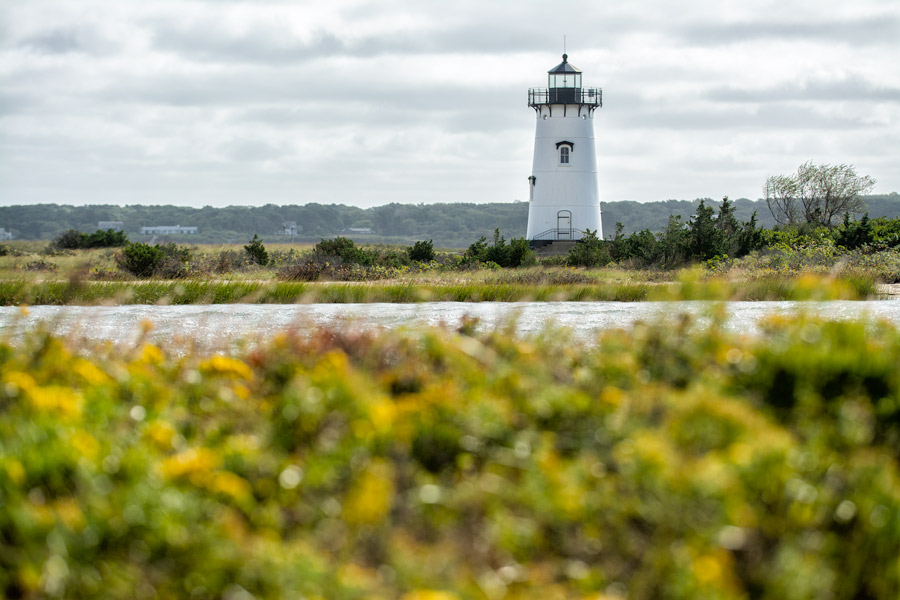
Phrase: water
x=221 y=324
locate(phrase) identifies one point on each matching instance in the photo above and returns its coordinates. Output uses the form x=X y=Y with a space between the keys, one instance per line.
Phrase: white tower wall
x=559 y=187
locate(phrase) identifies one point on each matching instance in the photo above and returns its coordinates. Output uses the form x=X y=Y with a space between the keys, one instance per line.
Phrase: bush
x=140 y=259
x=68 y=240
x=590 y=251
x=668 y=460
x=176 y=262
x=421 y=251
x=257 y=252
x=41 y=265
x=346 y=250
x=73 y=239
x=308 y=270
x=515 y=254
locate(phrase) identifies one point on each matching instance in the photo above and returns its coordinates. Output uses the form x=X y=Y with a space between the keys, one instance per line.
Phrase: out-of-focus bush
x=664 y=461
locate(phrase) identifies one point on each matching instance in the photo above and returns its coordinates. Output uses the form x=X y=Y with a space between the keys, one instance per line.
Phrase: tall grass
x=688 y=287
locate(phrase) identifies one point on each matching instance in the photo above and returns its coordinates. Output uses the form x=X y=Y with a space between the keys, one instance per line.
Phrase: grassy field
x=85 y=277
x=670 y=460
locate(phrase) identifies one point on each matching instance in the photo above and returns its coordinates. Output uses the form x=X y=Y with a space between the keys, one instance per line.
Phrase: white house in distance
x=168 y=230
x=114 y=225
x=563 y=197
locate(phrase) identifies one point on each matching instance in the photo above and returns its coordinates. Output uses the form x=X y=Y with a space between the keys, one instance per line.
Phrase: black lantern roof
x=564 y=67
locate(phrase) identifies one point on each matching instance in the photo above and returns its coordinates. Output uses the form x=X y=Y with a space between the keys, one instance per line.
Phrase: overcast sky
x=367 y=102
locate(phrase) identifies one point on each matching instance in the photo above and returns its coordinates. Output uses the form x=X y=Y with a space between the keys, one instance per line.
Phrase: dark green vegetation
x=257 y=252
x=670 y=460
x=448 y=225
x=712 y=255
x=76 y=240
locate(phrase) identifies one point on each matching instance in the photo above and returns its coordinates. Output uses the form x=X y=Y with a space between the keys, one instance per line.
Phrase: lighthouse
x=563 y=198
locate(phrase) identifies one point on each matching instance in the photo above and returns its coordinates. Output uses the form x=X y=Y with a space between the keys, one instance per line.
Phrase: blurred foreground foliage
x=670 y=460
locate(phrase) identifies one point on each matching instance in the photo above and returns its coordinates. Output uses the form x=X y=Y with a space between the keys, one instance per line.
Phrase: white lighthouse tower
x=563 y=198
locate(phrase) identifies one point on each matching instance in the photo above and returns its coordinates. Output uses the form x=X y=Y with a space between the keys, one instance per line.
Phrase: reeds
x=689 y=286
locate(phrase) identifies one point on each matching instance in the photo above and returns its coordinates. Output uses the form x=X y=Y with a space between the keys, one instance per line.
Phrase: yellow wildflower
x=194 y=463
x=61 y=400
x=88 y=371
x=223 y=365
x=370 y=499
x=226 y=482
x=161 y=433
x=15 y=471
x=430 y=595
x=69 y=514
x=151 y=355
x=86 y=444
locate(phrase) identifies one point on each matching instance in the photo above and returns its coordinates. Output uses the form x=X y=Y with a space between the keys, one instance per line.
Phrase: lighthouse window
x=563 y=155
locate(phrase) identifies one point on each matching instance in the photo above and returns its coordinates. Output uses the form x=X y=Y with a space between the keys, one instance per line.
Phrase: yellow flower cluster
x=669 y=460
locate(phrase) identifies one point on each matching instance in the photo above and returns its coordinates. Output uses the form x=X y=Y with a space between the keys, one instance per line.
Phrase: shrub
x=308 y=270
x=41 y=265
x=345 y=249
x=257 y=252
x=516 y=253
x=140 y=259
x=73 y=239
x=421 y=251
x=176 y=262
x=68 y=240
x=590 y=251
x=664 y=460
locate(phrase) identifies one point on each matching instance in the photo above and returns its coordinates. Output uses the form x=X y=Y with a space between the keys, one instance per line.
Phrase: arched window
x=563 y=155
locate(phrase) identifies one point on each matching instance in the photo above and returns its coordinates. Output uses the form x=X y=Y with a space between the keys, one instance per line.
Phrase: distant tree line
x=447 y=225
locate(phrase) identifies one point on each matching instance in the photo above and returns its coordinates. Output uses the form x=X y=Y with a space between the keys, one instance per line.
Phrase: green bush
x=140 y=259
x=74 y=240
x=515 y=254
x=668 y=460
x=257 y=252
x=346 y=250
x=421 y=251
x=590 y=251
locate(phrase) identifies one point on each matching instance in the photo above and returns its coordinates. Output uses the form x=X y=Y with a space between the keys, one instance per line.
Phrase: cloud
x=370 y=102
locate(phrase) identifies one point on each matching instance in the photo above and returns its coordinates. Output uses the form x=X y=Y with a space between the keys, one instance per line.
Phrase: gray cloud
x=881 y=29
x=372 y=102
x=847 y=89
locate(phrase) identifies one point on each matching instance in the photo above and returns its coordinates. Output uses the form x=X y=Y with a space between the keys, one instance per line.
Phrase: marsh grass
x=689 y=286
x=89 y=277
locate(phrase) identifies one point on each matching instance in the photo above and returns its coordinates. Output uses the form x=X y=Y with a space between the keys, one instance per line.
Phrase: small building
x=114 y=225
x=4 y=234
x=168 y=230
x=356 y=230
x=290 y=228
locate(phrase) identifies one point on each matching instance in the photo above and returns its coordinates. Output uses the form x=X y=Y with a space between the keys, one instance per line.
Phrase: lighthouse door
x=564 y=225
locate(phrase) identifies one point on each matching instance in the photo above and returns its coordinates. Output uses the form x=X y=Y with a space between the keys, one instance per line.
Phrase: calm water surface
x=221 y=324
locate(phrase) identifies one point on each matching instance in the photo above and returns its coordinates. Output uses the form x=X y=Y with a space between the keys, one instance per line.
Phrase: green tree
x=421 y=251
x=590 y=251
x=704 y=238
x=820 y=192
x=674 y=242
x=257 y=252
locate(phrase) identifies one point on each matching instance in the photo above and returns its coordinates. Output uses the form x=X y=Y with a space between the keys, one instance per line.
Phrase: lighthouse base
x=551 y=247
